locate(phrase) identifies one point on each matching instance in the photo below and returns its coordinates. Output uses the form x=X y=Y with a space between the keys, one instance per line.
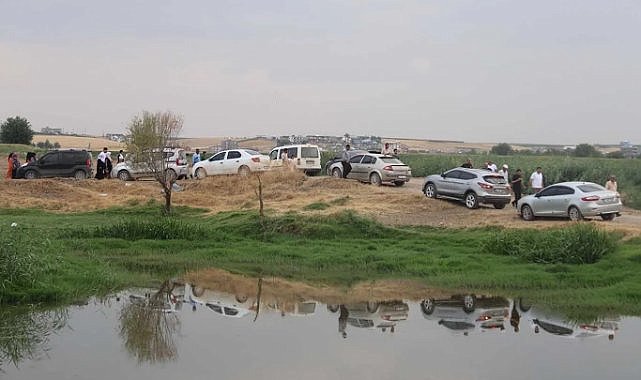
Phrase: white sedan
x=234 y=161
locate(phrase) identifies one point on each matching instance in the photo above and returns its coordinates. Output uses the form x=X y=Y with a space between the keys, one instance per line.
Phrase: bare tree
x=149 y=136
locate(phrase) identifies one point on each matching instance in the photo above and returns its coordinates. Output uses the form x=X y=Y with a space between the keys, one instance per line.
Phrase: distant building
x=51 y=131
x=628 y=150
x=119 y=137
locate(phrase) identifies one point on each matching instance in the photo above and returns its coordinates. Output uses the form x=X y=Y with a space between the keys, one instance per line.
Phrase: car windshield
x=309 y=152
x=495 y=179
x=251 y=152
x=391 y=160
x=591 y=188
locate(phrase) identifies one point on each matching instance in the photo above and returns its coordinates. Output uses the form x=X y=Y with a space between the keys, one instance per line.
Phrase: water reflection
x=149 y=324
x=25 y=332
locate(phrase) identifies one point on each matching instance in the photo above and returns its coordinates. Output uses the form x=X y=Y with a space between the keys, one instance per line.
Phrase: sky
x=546 y=71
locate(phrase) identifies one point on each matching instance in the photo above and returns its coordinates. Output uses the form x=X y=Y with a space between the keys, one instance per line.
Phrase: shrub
x=19 y=262
x=161 y=229
x=582 y=243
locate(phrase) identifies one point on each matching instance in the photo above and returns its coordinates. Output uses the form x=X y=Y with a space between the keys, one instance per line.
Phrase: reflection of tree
x=25 y=332
x=148 y=327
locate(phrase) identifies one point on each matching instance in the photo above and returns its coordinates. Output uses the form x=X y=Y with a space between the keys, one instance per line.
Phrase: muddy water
x=193 y=332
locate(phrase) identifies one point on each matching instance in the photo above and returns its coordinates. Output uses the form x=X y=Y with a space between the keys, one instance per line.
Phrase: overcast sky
x=480 y=71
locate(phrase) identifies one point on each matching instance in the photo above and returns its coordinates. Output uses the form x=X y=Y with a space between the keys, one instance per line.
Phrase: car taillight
x=485 y=186
x=256 y=159
x=389 y=168
x=590 y=198
x=483 y=318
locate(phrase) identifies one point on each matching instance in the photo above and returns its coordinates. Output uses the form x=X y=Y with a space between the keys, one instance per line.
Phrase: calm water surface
x=193 y=333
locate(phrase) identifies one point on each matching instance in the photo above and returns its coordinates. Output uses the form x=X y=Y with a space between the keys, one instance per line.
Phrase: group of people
x=13 y=163
x=536 y=181
x=104 y=165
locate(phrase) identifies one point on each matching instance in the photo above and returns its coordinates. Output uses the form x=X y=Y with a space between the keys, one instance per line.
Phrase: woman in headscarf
x=9 y=165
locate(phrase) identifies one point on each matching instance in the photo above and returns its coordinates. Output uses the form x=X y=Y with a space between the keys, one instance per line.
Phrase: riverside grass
x=78 y=256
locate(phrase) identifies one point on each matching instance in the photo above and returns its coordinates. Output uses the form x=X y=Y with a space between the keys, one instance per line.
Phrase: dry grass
x=79 y=142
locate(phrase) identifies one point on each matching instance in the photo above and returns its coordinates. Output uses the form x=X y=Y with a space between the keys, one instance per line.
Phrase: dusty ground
x=283 y=191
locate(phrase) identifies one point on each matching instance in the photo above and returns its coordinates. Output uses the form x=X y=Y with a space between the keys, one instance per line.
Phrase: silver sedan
x=373 y=168
x=574 y=200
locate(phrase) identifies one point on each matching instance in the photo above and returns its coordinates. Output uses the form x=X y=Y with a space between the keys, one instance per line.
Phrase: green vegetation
x=578 y=244
x=16 y=130
x=79 y=255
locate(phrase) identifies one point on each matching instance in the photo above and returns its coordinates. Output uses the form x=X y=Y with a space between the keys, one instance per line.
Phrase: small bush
x=19 y=262
x=161 y=229
x=316 y=206
x=581 y=243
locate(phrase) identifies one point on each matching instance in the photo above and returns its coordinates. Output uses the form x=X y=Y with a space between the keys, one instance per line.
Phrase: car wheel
x=372 y=306
x=574 y=214
x=375 y=179
x=469 y=303
x=499 y=206
x=80 y=174
x=430 y=190
x=31 y=174
x=526 y=213
x=471 y=200
x=399 y=183
x=124 y=175
x=244 y=171
x=524 y=306
x=241 y=298
x=333 y=308
x=201 y=173
x=427 y=306
x=608 y=216
x=197 y=291
x=170 y=175
x=336 y=173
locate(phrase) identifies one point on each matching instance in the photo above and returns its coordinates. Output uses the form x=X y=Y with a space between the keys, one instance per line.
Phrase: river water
x=198 y=333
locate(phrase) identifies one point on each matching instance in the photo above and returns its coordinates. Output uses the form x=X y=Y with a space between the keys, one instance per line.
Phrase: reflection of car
x=234 y=161
x=133 y=168
x=573 y=200
x=58 y=163
x=373 y=168
x=380 y=315
x=220 y=303
x=473 y=186
x=305 y=157
x=465 y=313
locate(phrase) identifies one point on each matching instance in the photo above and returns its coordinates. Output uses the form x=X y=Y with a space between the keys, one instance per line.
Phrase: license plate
x=402 y=177
x=309 y=162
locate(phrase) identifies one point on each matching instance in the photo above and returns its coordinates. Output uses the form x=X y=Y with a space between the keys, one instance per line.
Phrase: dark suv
x=59 y=163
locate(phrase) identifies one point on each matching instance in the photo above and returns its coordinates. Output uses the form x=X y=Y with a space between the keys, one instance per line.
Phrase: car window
x=252 y=152
x=356 y=159
x=292 y=152
x=273 y=155
x=391 y=160
x=49 y=158
x=218 y=156
x=495 y=179
x=309 y=152
x=215 y=308
x=467 y=176
x=230 y=311
x=453 y=174
x=368 y=159
x=233 y=154
x=591 y=188
x=550 y=191
x=564 y=190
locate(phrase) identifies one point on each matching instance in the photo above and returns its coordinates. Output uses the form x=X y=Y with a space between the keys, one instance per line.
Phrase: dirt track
x=283 y=191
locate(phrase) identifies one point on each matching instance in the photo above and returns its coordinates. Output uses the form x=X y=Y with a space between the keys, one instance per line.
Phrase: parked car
x=234 y=161
x=472 y=186
x=574 y=200
x=223 y=304
x=59 y=163
x=467 y=312
x=134 y=167
x=374 y=168
x=377 y=315
x=305 y=157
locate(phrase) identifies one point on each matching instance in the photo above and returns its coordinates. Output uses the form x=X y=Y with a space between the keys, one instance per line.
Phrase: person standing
x=9 y=164
x=517 y=186
x=121 y=156
x=491 y=166
x=108 y=165
x=101 y=163
x=611 y=184
x=504 y=172
x=386 y=150
x=536 y=180
x=347 y=167
x=196 y=157
x=467 y=164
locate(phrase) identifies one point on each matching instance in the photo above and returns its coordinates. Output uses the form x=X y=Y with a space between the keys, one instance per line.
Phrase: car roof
x=574 y=183
x=476 y=171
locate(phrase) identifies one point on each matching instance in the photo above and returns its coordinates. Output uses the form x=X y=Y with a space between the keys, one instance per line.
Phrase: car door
x=462 y=184
x=214 y=165
x=367 y=165
x=232 y=162
x=446 y=184
x=543 y=203
x=357 y=168
x=560 y=202
x=49 y=164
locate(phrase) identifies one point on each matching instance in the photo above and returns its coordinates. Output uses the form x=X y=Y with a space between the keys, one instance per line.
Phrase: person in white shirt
x=504 y=172
x=536 y=180
x=101 y=163
x=196 y=157
x=386 y=150
x=491 y=166
x=611 y=184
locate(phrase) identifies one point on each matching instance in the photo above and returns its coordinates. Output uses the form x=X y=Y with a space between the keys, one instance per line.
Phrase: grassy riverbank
x=66 y=257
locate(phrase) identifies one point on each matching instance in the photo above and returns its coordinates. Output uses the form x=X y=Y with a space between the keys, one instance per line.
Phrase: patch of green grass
x=85 y=254
x=316 y=206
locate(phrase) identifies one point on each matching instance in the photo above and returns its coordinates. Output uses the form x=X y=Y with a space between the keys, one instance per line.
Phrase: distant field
x=79 y=142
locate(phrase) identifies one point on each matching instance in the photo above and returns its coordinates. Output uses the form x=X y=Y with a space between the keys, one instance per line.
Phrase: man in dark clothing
x=467 y=164
x=517 y=186
x=347 y=167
